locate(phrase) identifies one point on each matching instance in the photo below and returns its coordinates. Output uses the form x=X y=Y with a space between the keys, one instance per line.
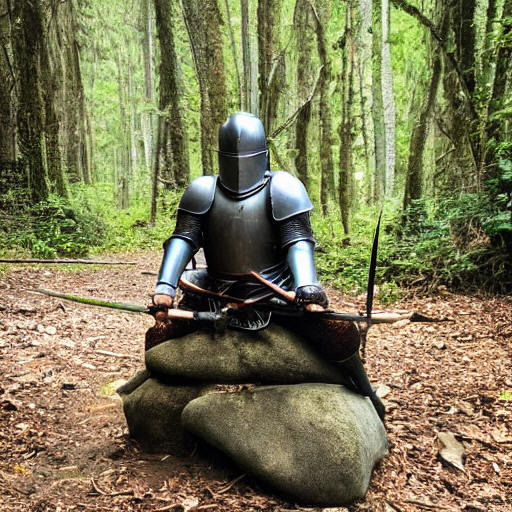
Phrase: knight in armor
x=249 y=219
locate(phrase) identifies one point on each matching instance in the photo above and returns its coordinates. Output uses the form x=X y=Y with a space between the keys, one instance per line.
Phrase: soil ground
x=64 y=443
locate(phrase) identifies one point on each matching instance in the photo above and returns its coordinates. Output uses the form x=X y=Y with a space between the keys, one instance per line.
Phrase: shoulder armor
x=198 y=197
x=288 y=195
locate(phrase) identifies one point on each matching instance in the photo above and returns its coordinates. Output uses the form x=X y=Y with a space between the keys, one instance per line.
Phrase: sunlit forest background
x=108 y=110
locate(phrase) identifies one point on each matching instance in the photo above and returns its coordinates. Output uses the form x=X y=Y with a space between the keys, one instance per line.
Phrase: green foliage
x=343 y=262
x=89 y=223
x=52 y=228
x=458 y=243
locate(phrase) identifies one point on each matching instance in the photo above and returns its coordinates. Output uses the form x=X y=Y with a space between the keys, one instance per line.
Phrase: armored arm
x=187 y=237
x=178 y=250
x=290 y=207
x=300 y=259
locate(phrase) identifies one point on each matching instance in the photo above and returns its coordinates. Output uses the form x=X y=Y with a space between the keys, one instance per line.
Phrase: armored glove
x=161 y=303
x=311 y=294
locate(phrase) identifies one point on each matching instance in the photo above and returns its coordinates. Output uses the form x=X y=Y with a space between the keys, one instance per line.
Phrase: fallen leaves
x=448 y=377
x=451 y=450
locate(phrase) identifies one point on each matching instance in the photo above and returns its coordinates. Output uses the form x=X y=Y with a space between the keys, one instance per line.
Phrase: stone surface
x=273 y=355
x=153 y=412
x=316 y=443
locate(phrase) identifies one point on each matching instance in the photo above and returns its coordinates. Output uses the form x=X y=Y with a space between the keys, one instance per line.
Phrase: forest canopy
x=108 y=109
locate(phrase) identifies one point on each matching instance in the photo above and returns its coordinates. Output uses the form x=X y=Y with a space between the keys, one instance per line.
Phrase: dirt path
x=63 y=439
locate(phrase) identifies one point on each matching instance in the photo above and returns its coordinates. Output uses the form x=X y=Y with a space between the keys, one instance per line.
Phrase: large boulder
x=273 y=355
x=317 y=443
x=153 y=412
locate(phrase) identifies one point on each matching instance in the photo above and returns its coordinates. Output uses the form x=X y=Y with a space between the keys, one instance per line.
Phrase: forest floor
x=64 y=443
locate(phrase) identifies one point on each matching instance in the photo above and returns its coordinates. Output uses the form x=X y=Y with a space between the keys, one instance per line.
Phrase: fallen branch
x=76 y=262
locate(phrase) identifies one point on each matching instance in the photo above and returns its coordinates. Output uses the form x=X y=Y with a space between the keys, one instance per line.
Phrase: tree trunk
x=234 y=53
x=270 y=61
x=7 y=100
x=148 y=55
x=388 y=101
x=496 y=127
x=346 y=127
x=414 y=176
x=463 y=26
x=377 y=105
x=363 y=55
x=203 y=21
x=172 y=136
x=125 y=167
x=321 y=18
x=246 y=57
x=301 y=23
x=28 y=46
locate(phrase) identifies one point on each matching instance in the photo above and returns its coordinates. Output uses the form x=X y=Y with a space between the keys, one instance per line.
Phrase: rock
x=316 y=443
x=153 y=413
x=273 y=355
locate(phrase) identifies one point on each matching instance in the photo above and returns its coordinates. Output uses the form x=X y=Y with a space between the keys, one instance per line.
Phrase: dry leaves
x=64 y=444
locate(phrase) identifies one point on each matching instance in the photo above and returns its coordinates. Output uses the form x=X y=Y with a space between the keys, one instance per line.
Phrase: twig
x=426 y=505
x=168 y=507
x=233 y=482
x=103 y=493
x=114 y=354
x=80 y=262
x=292 y=118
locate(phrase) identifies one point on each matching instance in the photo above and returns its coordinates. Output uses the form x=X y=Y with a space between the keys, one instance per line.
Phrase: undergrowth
x=463 y=244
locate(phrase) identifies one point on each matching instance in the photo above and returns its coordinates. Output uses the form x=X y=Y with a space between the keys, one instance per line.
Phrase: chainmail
x=295 y=228
x=188 y=227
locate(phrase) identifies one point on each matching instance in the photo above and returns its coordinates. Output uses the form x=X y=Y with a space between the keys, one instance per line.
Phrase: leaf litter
x=64 y=444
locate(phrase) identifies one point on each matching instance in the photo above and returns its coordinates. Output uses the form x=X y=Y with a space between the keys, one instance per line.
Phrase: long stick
x=76 y=262
x=130 y=308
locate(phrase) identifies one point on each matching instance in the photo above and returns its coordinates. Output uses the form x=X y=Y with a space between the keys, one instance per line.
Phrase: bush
x=53 y=228
x=458 y=243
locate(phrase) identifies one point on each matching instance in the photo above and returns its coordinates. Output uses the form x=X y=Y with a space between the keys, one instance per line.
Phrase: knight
x=250 y=219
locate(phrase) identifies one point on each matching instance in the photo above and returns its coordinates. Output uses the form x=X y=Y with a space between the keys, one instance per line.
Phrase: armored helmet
x=243 y=154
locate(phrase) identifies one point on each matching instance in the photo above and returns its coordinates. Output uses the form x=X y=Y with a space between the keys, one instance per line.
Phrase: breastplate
x=241 y=235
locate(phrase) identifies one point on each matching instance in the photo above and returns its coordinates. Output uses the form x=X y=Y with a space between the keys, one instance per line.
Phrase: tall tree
x=388 y=101
x=270 y=61
x=321 y=18
x=148 y=56
x=246 y=58
x=172 y=144
x=346 y=186
x=414 y=176
x=203 y=21
x=379 y=133
x=29 y=43
x=7 y=83
x=302 y=19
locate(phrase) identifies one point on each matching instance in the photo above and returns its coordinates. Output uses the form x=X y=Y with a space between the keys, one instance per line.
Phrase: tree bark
x=270 y=61
x=346 y=127
x=234 y=53
x=246 y=57
x=388 y=101
x=148 y=55
x=414 y=176
x=203 y=21
x=7 y=99
x=28 y=45
x=377 y=105
x=172 y=146
x=301 y=23
x=321 y=17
